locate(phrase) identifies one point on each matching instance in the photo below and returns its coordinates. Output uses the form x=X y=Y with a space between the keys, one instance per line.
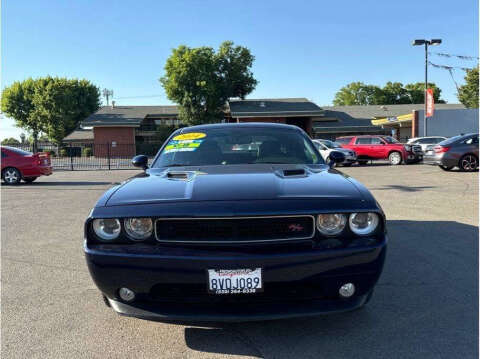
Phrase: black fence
x=89 y=156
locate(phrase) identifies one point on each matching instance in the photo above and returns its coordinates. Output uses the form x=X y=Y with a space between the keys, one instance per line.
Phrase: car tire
x=105 y=300
x=347 y=164
x=362 y=163
x=30 y=179
x=468 y=163
x=446 y=168
x=395 y=158
x=11 y=176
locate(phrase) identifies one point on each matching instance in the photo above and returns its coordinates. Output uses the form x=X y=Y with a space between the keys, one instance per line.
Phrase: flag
x=430 y=103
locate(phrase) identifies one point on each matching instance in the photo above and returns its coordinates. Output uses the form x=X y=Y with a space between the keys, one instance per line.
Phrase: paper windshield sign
x=185 y=143
x=430 y=103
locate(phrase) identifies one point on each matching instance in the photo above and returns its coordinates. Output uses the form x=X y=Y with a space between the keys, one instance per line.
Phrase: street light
x=432 y=42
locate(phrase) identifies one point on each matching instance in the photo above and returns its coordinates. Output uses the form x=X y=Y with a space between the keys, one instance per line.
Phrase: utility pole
x=432 y=42
x=107 y=94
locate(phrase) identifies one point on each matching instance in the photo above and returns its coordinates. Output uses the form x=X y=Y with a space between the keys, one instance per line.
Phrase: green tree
x=468 y=93
x=50 y=105
x=201 y=80
x=358 y=93
x=10 y=141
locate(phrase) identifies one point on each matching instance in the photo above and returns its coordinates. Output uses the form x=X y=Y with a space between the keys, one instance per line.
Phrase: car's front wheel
x=30 y=179
x=11 y=175
x=468 y=163
x=395 y=158
x=445 y=168
x=362 y=163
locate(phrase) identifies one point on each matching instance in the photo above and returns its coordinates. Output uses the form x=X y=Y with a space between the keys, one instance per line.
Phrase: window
x=389 y=139
x=363 y=141
x=20 y=152
x=471 y=141
x=230 y=146
x=376 y=141
x=343 y=140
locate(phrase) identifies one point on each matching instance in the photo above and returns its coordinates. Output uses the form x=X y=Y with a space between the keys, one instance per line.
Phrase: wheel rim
x=11 y=176
x=469 y=163
x=395 y=158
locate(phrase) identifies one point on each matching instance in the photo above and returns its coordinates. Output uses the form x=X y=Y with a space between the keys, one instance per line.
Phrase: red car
x=18 y=164
x=381 y=148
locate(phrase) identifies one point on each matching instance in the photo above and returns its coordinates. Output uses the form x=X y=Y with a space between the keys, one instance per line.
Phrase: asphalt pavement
x=424 y=306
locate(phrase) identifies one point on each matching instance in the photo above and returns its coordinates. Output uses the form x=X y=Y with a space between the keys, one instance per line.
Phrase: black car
x=221 y=231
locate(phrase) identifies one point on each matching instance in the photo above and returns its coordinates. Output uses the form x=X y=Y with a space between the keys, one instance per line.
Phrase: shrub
x=87 y=152
x=63 y=153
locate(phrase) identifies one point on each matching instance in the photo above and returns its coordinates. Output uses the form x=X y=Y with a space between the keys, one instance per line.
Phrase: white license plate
x=235 y=281
x=429 y=152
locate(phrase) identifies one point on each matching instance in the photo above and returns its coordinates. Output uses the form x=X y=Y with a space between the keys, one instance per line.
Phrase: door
x=378 y=148
x=362 y=146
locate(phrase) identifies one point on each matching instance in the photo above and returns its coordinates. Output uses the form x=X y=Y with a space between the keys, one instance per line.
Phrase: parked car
x=20 y=165
x=424 y=142
x=381 y=147
x=459 y=151
x=325 y=147
x=207 y=233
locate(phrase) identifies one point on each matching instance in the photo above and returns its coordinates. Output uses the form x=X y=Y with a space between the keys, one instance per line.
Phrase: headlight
x=107 y=228
x=363 y=223
x=331 y=224
x=408 y=148
x=138 y=228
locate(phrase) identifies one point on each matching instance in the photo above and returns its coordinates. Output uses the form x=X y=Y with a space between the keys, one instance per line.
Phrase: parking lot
x=425 y=305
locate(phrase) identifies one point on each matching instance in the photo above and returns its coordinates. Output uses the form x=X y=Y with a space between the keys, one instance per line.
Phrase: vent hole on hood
x=296 y=172
x=177 y=175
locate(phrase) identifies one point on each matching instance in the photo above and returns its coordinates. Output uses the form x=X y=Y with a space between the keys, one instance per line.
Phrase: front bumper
x=171 y=284
x=413 y=157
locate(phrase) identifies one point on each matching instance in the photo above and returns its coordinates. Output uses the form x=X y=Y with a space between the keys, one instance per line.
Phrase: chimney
x=113 y=104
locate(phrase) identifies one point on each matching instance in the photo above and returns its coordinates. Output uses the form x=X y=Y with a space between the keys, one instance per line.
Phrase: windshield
x=331 y=144
x=389 y=139
x=234 y=145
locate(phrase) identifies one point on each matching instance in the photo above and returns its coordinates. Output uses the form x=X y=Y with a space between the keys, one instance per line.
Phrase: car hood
x=233 y=183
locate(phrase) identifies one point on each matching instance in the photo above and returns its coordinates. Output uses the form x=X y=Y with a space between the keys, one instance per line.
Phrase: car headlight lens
x=138 y=228
x=331 y=224
x=107 y=228
x=408 y=148
x=363 y=223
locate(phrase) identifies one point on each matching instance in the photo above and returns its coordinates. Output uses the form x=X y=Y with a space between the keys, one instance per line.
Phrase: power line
x=449 y=67
x=463 y=57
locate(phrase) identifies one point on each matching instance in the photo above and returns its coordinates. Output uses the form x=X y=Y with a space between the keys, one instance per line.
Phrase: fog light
x=126 y=294
x=347 y=290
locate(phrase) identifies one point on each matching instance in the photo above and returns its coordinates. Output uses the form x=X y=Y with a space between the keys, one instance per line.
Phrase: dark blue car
x=236 y=222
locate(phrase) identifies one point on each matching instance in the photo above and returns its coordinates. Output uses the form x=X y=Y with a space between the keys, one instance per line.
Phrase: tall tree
x=10 y=141
x=468 y=93
x=201 y=80
x=393 y=93
x=357 y=93
x=50 y=105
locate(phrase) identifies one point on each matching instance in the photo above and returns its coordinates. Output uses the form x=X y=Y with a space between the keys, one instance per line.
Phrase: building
x=124 y=131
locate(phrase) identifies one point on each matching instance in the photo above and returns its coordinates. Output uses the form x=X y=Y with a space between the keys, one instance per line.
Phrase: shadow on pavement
x=65 y=183
x=403 y=188
x=425 y=305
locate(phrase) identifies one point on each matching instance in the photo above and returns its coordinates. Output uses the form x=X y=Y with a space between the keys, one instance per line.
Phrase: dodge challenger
x=236 y=222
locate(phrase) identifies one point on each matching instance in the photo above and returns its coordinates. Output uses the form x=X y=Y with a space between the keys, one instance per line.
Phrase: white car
x=424 y=142
x=326 y=146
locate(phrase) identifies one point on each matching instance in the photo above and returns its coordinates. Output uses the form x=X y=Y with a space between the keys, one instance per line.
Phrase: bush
x=51 y=153
x=63 y=153
x=87 y=152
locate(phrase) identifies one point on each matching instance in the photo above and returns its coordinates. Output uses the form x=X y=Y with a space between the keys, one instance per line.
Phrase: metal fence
x=90 y=156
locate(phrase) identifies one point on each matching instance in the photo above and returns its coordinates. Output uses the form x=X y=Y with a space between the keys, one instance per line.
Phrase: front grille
x=417 y=148
x=234 y=229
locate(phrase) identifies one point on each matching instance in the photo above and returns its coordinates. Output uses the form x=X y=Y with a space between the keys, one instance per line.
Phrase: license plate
x=235 y=281
x=429 y=152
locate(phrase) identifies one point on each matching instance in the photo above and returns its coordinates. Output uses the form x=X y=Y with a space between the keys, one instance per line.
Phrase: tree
x=50 y=105
x=393 y=93
x=416 y=92
x=201 y=80
x=468 y=93
x=10 y=141
x=357 y=93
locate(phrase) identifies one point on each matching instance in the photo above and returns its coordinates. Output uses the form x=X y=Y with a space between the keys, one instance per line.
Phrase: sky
x=302 y=48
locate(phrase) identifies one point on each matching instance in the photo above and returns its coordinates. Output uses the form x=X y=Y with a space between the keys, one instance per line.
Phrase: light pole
x=432 y=42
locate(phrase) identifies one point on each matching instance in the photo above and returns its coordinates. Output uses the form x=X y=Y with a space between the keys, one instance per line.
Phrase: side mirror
x=336 y=157
x=140 y=161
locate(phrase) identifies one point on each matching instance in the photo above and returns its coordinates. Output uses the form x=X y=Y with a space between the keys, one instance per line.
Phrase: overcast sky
x=302 y=48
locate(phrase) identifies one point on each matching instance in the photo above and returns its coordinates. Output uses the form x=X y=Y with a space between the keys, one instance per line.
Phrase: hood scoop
x=294 y=172
x=179 y=175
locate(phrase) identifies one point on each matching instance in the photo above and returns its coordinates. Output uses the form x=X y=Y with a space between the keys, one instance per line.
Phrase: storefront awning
x=392 y=120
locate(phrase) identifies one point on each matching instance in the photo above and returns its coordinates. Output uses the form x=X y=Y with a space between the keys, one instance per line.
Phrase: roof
x=241 y=125
x=79 y=135
x=284 y=107
x=130 y=116
x=371 y=111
